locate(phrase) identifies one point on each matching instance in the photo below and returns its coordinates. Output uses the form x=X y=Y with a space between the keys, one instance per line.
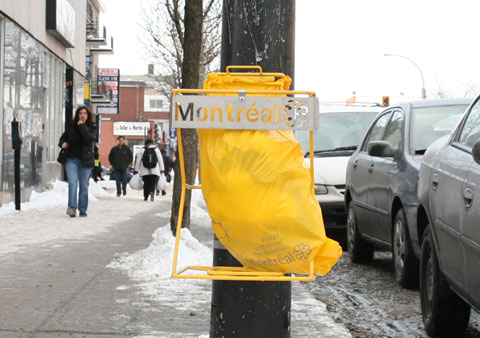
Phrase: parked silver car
x=381 y=184
x=448 y=219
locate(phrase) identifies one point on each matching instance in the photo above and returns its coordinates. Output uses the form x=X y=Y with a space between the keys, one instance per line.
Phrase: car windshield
x=339 y=131
x=430 y=123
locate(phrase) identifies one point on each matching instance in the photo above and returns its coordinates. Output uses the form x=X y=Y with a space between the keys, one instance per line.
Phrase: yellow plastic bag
x=258 y=193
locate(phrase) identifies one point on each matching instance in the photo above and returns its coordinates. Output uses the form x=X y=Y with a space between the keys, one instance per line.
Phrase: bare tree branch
x=207 y=10
x=177 y=21
x=163 y=26
x=440 y=92
x=470 y=89
x=183 y=38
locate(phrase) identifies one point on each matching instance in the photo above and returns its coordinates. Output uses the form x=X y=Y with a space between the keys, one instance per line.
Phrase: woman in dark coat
x=79 y=140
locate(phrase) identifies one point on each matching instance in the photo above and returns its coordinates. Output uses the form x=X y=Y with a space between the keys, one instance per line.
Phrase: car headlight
x=320 y=189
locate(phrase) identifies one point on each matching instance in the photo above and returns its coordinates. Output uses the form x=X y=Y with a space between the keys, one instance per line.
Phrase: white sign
x=66 y=21
x=60 y=21
x=131 y=128
x=244 y=112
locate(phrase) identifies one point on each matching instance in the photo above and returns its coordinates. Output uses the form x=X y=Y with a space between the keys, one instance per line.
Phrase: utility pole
x=254 y=32
x=257 y=32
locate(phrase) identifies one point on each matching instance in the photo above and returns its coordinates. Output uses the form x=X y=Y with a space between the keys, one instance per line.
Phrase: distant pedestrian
x=172 y=163
x=97 y=169
x=149 y=164
x=166 y=166
x=79 y=140
x=120 y=158
x=97 y=172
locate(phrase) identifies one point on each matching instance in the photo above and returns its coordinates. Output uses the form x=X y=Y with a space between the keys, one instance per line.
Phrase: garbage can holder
x=230 y=272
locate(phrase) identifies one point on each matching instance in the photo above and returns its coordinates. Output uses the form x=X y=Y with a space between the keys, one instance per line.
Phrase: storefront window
x=78 y=99
x=2 y=130
x=54 y=99
x=34 y=94
x=25 y=86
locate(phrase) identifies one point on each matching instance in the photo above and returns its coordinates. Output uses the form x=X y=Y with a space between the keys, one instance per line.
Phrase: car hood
x=330 y=170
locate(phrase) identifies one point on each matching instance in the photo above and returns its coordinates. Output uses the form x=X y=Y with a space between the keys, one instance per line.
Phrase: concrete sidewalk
x=61 y=287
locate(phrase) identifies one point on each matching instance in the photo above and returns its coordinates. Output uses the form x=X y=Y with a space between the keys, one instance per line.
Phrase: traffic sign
x=386 y=100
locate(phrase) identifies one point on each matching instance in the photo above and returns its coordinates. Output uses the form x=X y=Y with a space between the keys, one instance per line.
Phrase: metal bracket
x=242 y=93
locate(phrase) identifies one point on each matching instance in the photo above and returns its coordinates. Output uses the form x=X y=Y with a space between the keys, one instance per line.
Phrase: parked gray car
x=449 y=221
x=381 y=184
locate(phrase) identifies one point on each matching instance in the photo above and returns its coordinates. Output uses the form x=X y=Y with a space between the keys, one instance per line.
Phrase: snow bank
x=56 y=196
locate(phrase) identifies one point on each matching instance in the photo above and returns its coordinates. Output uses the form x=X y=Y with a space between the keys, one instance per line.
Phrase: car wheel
x=358 y=249
x=443 y=312
x=404 y=261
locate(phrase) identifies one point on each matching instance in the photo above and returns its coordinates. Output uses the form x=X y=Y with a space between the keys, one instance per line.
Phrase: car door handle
x=468 y=196
x=355 y=164
x=370 y=170
x=435 y=180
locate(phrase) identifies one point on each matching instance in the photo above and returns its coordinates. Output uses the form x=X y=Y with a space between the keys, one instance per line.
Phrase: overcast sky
x=340 y=46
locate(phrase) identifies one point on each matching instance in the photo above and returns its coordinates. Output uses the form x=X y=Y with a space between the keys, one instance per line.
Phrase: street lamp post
x=420 y=71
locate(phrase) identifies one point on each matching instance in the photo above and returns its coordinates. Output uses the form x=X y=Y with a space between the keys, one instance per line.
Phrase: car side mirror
x=476 y=151
x=381 y=149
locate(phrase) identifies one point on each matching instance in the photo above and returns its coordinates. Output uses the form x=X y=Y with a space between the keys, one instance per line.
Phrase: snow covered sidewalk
x=43 y=222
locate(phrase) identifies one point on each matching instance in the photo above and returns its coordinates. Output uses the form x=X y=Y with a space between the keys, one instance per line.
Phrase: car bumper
x=334 y=215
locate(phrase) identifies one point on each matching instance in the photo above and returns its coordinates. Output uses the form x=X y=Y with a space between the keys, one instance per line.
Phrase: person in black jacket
x=79 y=140
x=120 y=158
x=97 y=170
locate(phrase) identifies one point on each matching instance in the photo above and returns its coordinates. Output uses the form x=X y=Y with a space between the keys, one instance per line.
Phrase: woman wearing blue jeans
x=79 y=140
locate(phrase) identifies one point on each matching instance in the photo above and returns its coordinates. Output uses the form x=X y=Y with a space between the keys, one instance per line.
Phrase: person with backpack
x=149 y=165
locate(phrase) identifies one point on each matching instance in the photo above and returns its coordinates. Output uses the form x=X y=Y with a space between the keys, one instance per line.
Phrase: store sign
x=244 y=112
x=60 y=21
x=109 y=84
x=130 y=128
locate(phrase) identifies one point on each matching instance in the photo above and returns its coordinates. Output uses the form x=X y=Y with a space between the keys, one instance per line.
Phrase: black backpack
x=149 y=158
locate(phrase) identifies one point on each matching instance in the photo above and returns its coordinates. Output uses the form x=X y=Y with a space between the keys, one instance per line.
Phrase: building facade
x=41 y=72
x=48 y=50
x=143 y=113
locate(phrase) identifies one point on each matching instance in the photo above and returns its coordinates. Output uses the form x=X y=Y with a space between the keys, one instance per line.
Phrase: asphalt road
x=366 y=299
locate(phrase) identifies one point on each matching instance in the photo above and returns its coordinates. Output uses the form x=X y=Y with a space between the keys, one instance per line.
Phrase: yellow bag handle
x=259 y=68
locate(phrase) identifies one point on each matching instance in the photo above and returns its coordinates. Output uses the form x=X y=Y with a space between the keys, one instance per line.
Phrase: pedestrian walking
x=149 y=165
x=97 y=169
x=166 y=166
x=120 y=158
x=79 y=142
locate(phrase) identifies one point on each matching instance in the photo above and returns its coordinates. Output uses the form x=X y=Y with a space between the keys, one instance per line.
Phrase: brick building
x=143 y=112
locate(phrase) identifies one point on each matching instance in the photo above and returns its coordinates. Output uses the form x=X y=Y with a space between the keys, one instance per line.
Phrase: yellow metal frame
x=230 y=272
